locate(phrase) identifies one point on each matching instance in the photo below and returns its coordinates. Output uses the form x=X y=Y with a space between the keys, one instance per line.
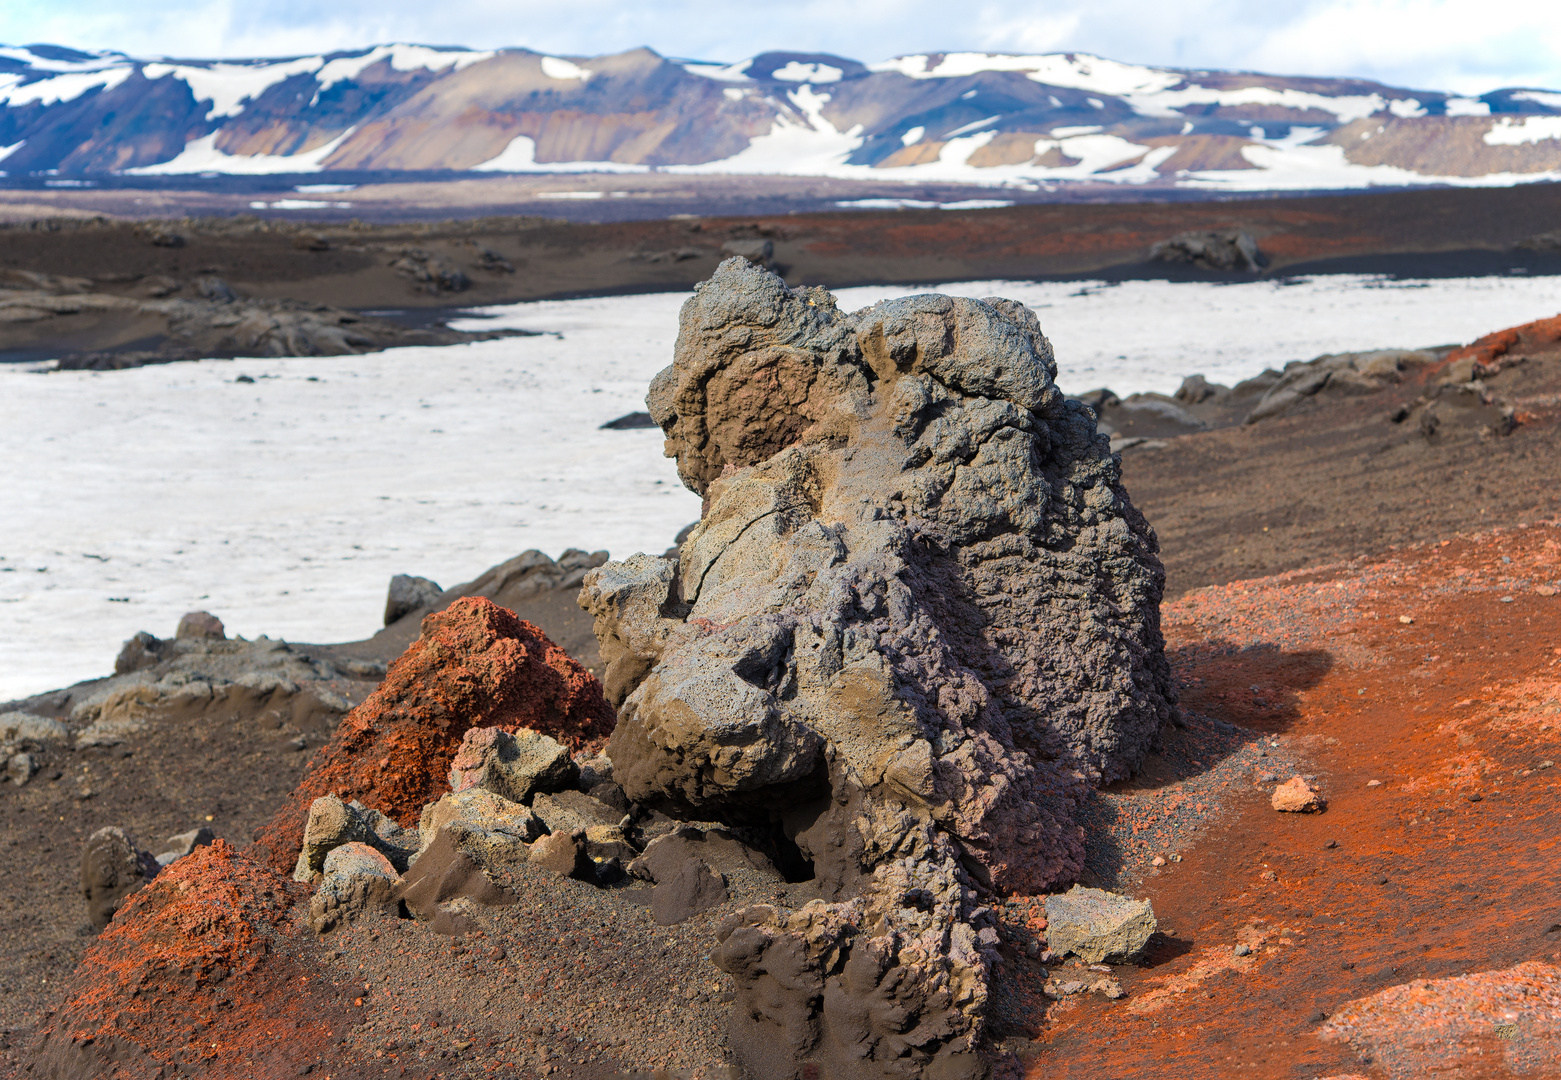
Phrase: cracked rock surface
x=918 y=613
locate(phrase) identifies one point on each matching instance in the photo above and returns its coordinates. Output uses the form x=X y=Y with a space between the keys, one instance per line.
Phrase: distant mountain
x=965 y=117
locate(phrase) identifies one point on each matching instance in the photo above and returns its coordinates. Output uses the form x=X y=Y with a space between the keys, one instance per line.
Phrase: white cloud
x=1467 y=46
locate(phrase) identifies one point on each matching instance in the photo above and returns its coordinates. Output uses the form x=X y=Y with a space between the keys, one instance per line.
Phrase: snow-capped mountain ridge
x=995 y=119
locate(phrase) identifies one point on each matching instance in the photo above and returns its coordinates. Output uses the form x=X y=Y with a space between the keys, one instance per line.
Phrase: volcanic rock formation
x=919 y=612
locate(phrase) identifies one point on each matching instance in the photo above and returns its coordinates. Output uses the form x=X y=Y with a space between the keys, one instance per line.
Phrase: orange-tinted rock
x=1296 y=796
x=198 y=970
x=475 y=665
x=1490 y=352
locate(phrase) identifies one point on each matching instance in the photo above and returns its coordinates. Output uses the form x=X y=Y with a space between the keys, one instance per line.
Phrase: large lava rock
x=918 y=611
x=475 y=665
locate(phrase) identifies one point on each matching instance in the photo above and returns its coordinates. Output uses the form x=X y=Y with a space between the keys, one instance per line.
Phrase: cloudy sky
x=1463 y=45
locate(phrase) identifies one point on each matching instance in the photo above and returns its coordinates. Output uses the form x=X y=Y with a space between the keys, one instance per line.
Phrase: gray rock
x=480 y=809
x=140 y=652
x=758 y=252
x=332 y=823
x=184 y=843
x=570 y=810
x=1221 y=249
x=18 y=728
x=918 y=608
x=516 y=766
x=358 y=879
x=1095 y=925
x=407 y=594
x=112 y=868
x=200 y=624
x=20 y=768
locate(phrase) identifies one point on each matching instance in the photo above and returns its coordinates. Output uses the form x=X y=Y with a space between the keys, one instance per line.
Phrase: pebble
x=1296 y=796
x=1406 y=619
x=1475 y=796
x=1373 y=783
x=1269 y=778
x=1243 y=950
x=1506 y=599
x=1157 y=861
x=1545 y=590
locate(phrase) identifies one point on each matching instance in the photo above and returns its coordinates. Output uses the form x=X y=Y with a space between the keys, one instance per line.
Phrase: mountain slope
x=967 y=117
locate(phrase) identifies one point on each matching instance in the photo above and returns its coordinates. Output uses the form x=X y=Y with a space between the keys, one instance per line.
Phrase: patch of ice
x=1539 y=97
x=1076 y=71
x=58 y=88
x=201 y=155
x=1531 y=129
x=284 y=506
x=737 y=72
x=230 y=86
x=556 y=67
x=913 y=136
x=520 y=156
x=1466 y=107
x=796 y=71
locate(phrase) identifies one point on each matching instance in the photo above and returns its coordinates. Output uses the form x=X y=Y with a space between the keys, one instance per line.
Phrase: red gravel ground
x=1423 y=692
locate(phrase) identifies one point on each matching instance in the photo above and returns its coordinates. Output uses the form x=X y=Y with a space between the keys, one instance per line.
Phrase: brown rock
x=1296 y=796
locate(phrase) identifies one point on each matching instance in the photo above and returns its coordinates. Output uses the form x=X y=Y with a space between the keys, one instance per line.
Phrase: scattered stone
x=564 y=854
x=567 y=811
x=475 y=665
x=1222 y=249
x=1373 y=783
x=20 y=768
x=19 y=728
x=1475 y=796
x=330 y=824
x=453 y=868
x=200 y=624
x=630 y=422
x=357 y=879
x=1096 y=925
x=1243 y=950
x=112 y=868
x=1545 y=590
x=517 y=766
x=184 y=843
x=1296 y=796
x=1269 y=778
x=1406 y=619
x=1157 y=861
x=480 y=809
x=407 y=594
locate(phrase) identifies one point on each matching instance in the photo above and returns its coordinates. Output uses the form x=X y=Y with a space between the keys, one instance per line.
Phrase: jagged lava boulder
x=475 y=665
x=918 y=612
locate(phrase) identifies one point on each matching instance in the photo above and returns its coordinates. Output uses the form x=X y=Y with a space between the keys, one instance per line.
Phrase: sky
x=1465 y=46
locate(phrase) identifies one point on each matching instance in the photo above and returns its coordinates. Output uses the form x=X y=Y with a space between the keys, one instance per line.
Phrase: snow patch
x=737 y=72
x=401 y=58
x=556 y=67
x=1075 y=71
x=1466 y=107
x=201 y=155
x=1530 y=129
x=230 y=86
x=520 y=156
x=913 y=136
x=796 y=71
x=1539 y=97
x=59 y=88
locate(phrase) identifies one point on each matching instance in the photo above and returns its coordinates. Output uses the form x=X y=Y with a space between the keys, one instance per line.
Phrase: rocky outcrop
x=918 y=612
x=475 y=665
x=1225 y=250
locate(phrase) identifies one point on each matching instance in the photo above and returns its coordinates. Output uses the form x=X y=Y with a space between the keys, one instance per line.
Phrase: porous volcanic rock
x=475 y=665
x=918 y=612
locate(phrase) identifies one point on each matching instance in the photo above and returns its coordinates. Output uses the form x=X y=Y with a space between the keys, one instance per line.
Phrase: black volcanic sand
x=363 y=266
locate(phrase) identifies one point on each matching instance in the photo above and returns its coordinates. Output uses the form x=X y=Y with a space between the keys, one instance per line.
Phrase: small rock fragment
x=1406 y=619
x=357 y=879
x=181 y=845
x=112 y=868
x=1296 y=796
x=407 y=594
x=1373 y=783
x=21 y=727
x=480 y=809
x=200 y=624
x=21 y=768
x=564 y=854
x=1157 y=861
x=1243 y=950
x=1095 y=925
x=515 y=766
